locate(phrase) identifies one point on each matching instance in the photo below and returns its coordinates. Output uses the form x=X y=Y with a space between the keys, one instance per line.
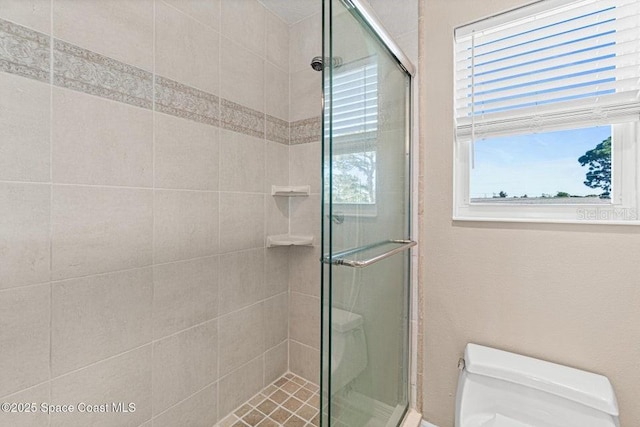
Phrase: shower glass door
x=366 y=229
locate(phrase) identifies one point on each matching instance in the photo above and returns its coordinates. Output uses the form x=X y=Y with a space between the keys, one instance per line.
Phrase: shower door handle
x=339 y=259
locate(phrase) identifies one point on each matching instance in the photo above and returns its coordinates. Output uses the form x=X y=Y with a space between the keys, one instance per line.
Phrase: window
x=355 y=132
x=547 y=103
x=354 y=178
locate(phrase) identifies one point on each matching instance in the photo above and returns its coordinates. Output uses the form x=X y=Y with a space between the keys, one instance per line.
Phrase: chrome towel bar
x=339 y=257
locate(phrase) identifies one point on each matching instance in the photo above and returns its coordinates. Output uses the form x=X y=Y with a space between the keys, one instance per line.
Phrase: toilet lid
x=500 y=420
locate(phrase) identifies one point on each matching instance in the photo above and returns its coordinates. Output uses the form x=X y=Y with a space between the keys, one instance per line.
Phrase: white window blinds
x=553 y=65
x=355 y=100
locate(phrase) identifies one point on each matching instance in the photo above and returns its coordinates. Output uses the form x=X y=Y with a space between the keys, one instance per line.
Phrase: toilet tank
x=348 y=348
x=501 y=389
x=343 y=321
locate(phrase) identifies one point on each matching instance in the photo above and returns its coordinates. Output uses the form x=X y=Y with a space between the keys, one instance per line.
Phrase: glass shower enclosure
x=366 y=221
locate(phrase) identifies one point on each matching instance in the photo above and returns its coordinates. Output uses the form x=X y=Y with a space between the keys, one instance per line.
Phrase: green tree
x=348 y=189
x=503 y=194
x=354 y=177
x=563 y=194
x=599 y=162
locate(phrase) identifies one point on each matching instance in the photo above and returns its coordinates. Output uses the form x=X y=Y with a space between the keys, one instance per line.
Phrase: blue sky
x=534 y=164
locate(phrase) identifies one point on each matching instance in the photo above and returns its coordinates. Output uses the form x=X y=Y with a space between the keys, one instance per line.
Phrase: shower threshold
x=290 y=401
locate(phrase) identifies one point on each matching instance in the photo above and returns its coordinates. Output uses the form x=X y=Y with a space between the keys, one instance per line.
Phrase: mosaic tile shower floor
x=289 y=401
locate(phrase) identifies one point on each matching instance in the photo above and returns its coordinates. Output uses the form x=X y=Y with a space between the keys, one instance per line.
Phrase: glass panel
x=365 y=202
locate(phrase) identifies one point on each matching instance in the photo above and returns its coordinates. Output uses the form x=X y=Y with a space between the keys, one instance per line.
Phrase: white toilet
x=501 y=389
x=349 y=348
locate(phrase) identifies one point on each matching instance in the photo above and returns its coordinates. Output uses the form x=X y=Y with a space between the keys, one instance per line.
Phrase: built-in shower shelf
x=289 y=240
x=290 y=190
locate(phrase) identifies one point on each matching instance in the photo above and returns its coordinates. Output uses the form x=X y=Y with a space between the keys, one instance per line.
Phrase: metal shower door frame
x=366 y=13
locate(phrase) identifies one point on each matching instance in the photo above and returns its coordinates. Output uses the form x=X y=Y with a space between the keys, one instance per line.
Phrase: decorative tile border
x=27 y=53
x=277 y=130
x=241 y=119
x=305 y=131
x=85 y=71
x=24 y=52
x=186 y=102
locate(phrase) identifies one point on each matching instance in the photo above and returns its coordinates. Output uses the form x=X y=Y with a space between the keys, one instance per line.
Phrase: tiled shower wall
x=138 y=143
x=305 y=158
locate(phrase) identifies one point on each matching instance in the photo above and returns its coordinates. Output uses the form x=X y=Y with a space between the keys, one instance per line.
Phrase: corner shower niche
x=290 y=239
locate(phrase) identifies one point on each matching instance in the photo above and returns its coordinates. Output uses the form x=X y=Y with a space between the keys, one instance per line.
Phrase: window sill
x=546 y=221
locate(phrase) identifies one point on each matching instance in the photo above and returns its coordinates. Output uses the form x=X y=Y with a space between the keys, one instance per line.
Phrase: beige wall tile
x=24 y=337
x=276 y=362
x=277 y=41
x=205 y=11
x=24 y=234
x=237 y=387
x=35 y=14
x=186 y=154
x=241 y=221
x=241 y=75
x=304 y=361
x=306 y=94
x=306 y=165
x=185 y=293
x=186 y=225
x=97 y=230
x=277 y=211
x=305 y=42
x=101 y=142
x=241 y=337
x=305 y=213
x=397 y=20
x=277 y=165
x=186 y=50
x=276 y=319
x=277 y=221
x=39 y=393
x=199 y=410
x=242 y=162
x=122 y=29
x=183 y=364
x=25 y=105
x=244 y=23
x=304 y=321
x=277 y=270
x=304 y=271
x=241 y=279
x=277 y=92
x=99 y=316
x=125 y=378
